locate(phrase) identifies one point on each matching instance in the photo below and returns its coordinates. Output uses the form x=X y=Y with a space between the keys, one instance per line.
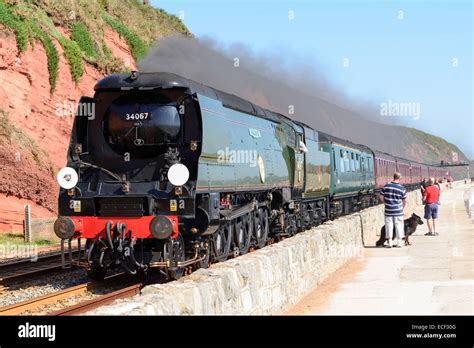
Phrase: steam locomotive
x=175 y=174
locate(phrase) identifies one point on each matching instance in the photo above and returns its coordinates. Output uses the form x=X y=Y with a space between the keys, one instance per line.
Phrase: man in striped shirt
x=394 y=195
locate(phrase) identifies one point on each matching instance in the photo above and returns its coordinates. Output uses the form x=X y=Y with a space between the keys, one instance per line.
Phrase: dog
x=409 y=226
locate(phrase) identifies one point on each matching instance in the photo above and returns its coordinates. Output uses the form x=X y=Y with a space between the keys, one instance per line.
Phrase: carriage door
x=300 y=151
x=363 y=172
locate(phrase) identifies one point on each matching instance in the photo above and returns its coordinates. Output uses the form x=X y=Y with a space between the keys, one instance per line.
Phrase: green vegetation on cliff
x=137 y=47
x=82 y=37
x=51 y=52
x=79 y=27
x=8 y=19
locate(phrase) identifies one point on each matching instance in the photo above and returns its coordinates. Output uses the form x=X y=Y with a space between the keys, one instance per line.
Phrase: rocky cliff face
x=25 y=95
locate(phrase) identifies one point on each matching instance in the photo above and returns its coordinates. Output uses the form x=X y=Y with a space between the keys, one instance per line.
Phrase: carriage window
x=352 y=162
x=346 y=162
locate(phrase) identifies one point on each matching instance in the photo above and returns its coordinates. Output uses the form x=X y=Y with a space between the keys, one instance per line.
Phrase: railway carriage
x=317 y=179
x=385 y=166
x=404 y=168
x=425 y=172
x=352 y=181
x=437 y=173
x=416 y=173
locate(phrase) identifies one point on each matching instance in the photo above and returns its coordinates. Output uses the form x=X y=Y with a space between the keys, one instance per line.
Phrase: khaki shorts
x=398 y=223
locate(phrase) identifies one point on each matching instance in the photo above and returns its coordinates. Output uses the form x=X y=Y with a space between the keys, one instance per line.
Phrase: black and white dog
x=410 y=226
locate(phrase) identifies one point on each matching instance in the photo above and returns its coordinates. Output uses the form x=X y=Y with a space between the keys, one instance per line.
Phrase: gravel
x=40 y=286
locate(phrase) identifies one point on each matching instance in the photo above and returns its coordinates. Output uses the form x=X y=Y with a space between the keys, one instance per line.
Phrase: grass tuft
x=12 y=133
x=83 y=39
x=137 y=47
x=17 y=238
x=73 y=55
x=51 y=52
x=8 y=19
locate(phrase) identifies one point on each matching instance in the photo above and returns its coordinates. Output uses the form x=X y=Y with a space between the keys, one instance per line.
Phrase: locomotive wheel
x=221 y=241
x=97 y=273
x=313 y=216
x=261 y=228
x=292 y=224
x=243 y=233
x=301 y=219
x=174 y=251
x=301 y=223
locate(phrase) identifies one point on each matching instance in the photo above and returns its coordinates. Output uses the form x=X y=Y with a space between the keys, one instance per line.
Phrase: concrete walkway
x=435 y=275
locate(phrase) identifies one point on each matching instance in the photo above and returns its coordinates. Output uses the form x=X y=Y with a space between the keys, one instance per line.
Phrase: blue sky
x=404 y=51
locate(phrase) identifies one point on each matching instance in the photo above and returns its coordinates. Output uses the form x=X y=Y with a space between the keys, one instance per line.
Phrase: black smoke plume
x=269 y=81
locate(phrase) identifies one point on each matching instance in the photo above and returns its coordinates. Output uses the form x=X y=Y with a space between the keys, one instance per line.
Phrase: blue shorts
x=431 y=211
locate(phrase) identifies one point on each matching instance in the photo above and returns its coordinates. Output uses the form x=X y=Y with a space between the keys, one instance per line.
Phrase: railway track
x=80 y=298
x=76 y=294
x=103 y=300
x=26 y=269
